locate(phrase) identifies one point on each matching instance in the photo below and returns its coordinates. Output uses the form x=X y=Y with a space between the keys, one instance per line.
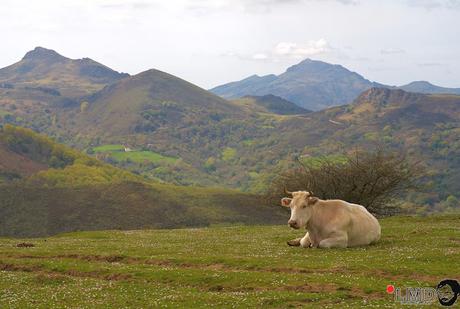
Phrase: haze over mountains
x=182 y=134
x=314 y=85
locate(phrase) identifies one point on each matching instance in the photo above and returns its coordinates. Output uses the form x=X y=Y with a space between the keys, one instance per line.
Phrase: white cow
x=330 y=223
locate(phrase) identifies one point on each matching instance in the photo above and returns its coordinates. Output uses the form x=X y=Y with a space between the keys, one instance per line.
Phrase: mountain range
x=166 y=129
x=315 y=85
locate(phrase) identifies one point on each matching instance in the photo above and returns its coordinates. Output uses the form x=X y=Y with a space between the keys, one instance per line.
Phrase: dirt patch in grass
x=320 y=288
x=310 y=288
x=307 y=288
x=14 y=267
x=97 y=275
x=96 y=258
x=47 y=276
x=71 y=272
x=232 y=268
x=413 y=276
x=25 y=245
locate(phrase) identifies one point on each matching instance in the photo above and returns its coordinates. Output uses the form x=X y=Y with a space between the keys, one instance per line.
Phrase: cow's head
x=301 y=208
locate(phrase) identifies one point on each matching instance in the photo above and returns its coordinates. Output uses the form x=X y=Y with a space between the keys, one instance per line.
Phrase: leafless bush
x=374 y=179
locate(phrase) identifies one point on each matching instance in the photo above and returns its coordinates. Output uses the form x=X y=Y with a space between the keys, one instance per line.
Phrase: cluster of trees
x=81 y=174
x=38 y=147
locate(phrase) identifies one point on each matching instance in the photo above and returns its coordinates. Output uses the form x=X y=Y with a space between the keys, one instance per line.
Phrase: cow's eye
x=304 y=206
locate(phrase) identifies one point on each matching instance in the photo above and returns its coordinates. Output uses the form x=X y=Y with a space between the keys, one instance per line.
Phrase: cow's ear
x=285 y=201
x=312 y=200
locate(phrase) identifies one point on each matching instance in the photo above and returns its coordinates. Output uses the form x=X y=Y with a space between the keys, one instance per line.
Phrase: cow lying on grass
x=330 y=223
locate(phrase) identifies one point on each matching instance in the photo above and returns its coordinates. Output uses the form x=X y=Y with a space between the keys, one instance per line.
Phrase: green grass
x=142 y=156
x=108 y=148
x=230 y=267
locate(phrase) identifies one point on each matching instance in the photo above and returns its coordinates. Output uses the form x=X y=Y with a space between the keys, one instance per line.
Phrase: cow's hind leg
x=338 y=241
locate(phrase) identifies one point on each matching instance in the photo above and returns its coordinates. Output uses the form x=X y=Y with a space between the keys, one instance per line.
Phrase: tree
x=375 y=179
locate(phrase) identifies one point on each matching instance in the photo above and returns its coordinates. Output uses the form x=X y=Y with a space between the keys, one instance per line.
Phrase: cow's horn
x=286 y=191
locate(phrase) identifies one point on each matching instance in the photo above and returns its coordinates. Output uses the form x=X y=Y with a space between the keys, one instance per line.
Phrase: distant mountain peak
x=423 y=86
x=314 y=66
x=40 y=53
x=311 y=84
x=421 y=82
x=43 y=67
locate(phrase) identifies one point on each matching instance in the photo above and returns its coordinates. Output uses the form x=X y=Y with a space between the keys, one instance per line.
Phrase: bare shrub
x=375 y=179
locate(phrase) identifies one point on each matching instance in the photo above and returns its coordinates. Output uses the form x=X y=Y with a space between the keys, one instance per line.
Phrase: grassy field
x=234 y=267
x=142 y=156
x=109 y=148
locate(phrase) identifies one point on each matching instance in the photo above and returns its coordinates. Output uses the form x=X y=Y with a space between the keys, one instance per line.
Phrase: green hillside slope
x=146 y=101
x=76 y=192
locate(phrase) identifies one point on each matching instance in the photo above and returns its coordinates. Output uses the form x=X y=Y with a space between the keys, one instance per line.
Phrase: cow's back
x=364 y=228
x=332 y=216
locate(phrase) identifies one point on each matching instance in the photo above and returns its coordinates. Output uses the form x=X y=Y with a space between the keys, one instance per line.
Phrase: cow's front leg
x=294 y=242
x=337 y=241
x=306 y=242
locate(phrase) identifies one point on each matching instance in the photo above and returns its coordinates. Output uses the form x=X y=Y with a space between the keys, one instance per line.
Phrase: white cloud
x=435 y=4
x=286 y=51
x=391 y=50
x=349 y=2
x=295 y=50
x=260 y=56
x=203 y=7
x=430 y=64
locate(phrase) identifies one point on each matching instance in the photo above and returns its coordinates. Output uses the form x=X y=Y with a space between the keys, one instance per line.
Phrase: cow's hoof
x=294 y=243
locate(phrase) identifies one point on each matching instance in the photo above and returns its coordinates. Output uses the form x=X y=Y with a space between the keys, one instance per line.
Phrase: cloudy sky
x=210 y=42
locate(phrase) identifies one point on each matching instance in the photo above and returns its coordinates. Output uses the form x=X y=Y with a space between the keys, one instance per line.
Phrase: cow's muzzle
x=293 y=224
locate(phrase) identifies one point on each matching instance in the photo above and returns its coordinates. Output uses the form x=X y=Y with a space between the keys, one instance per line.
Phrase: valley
x=185 y=135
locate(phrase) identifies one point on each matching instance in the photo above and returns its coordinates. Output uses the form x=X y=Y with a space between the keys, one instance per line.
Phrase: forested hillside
x=63 y=190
